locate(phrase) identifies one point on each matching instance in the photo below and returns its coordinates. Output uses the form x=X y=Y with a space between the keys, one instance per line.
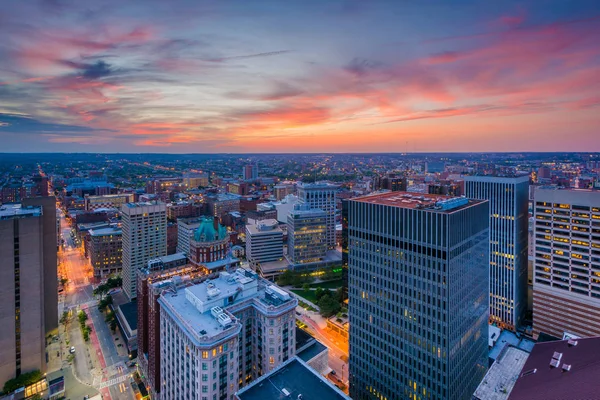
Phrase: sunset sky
x=225 y=76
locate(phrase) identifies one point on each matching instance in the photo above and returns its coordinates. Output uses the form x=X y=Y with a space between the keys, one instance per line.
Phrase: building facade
x=323 y=196
x=107 y=201
x=566 y=286
x=105 y=249
x=144 y=228
x=418 y=296
x=22 y=313
x=509 y=221
x=264 y=241
x=222 y=334
x=161 y=274
x=221 y=204
x=307 y=235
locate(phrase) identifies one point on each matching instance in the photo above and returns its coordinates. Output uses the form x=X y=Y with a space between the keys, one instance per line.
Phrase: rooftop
x=264 y=226
x=106 y=231
x=311 y=350
x=14 y=210
x=129 y=311
x=501 y=377
x=421 y=201
x=318 y=185
x=198 y=308
x=292 y=378
x=564 y=369
x=508 y=338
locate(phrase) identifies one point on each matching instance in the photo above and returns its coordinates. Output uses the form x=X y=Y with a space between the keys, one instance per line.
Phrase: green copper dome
x=206 y=232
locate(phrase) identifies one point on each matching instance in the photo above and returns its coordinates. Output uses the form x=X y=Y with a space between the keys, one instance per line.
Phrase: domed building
x=210 y=246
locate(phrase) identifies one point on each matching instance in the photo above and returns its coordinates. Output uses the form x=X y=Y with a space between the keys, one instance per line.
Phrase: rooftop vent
x=285 y=392
x=572 y=342
x=554 y=363
x=557 y=356
x=566 y=367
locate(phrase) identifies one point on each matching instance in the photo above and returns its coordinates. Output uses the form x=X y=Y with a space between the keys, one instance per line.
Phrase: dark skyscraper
x=418 y=291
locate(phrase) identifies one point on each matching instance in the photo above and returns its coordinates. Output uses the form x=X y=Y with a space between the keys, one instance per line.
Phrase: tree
x=306 y=287
x=113 y=325
x=320 y=292
x=328 y=306
x=285 y=278
x=64 y=317
x=105 y=302
x=25 y=379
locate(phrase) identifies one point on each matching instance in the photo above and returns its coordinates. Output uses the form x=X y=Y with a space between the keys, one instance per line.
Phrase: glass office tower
x=509 y=224
x=418 y=296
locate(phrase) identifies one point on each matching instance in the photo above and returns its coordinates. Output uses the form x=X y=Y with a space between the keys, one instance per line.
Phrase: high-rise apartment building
x=264 y=241
x=105 y=251
x=566 y=286
x=144 y=228
x=418 y=296
x=323 y=196
x=23 y=289
x=307 y=235
x=220 y=335
x=509 y=221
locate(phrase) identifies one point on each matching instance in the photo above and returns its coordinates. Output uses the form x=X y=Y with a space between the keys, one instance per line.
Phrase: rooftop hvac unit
x=285 y=392
x=215 y=311
x=223 y=319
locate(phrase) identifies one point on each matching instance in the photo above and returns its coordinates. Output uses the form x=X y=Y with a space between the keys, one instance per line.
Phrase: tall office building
x=566 y=286
x=418 y=296
x=220 y=335
x=50 y=227
x=323 y=196
x=144 y=238
x=307 y=235
x=509 y=221
x=264 y=241
x=250 y=172
x=23 y=317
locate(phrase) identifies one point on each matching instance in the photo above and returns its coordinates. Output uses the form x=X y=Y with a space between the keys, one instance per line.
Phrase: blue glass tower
x=418 y=296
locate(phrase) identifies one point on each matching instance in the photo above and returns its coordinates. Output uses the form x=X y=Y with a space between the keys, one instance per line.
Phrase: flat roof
x=501 y=377
x=311 y=351
x=15 y=210
x=423 y=201
x=508 y=338
x=129 y=311
x=106 y=231
x=264 y=226
x=574 y=377
x=296 y=378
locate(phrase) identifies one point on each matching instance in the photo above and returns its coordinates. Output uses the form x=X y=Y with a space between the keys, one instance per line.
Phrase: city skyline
x=343 y=76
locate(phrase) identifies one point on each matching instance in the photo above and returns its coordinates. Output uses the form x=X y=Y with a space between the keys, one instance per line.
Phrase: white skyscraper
x=509 y=223
x=144 y=238
x=321 y=195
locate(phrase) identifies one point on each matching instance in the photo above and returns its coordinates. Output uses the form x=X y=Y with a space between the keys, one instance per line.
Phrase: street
x=97 y=363
x=338 y=348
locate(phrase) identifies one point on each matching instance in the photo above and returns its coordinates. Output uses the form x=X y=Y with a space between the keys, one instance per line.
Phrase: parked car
x=72 y=349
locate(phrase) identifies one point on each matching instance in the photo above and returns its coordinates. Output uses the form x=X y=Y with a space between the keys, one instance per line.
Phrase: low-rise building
x=107 y=201
x=501 y=377
x=294 y=379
